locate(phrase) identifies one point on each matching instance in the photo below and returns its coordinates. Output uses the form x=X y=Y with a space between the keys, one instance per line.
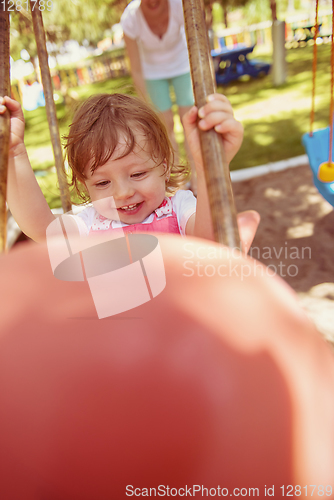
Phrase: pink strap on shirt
x=160 y=224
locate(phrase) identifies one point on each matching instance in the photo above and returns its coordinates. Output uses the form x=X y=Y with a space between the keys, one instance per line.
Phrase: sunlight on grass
x=121 y=85
x=178 y=129
x=179 y=135
x=49 y=186
x=263 y=139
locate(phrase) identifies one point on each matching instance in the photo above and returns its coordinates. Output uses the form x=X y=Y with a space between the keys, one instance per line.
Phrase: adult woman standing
x=156 y=44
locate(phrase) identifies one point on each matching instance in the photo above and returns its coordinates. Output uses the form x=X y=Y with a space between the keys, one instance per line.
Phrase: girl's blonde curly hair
x=99 y=124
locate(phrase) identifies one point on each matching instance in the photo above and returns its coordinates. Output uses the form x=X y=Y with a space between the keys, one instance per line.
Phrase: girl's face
x=128 y=189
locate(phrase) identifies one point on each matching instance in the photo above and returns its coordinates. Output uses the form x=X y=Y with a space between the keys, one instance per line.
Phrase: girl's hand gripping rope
x=217 y=114
x=16 y=145
x=24 y=196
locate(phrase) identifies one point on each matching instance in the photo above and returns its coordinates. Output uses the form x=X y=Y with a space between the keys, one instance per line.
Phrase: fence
x=100 y=69
x=250 y=35
x=259 y=34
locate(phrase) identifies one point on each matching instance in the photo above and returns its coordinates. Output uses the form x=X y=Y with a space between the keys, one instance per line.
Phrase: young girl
x=122 y=161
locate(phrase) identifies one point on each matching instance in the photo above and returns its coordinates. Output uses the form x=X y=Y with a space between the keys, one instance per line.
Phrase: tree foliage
x=81 y=20
x=254 y=10
x=226 y=6
x=84 y=19
x=258 y=10
x=21 y=34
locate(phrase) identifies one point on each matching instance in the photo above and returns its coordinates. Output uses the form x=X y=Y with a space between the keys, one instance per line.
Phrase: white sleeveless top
x=161 y=58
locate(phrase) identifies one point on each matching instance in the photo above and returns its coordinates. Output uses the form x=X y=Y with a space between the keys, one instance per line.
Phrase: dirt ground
x=295 y=237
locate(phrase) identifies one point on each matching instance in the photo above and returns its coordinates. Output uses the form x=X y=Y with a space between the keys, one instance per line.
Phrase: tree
x=273 y=10
x=83 y=19
x=22 y=34
x=69 y=19
x=228 y=5
x=257 y=10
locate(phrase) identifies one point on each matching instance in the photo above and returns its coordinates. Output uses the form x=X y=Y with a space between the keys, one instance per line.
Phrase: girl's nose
x=123 y=190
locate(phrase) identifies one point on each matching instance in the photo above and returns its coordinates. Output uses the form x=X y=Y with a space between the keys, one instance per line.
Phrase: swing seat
x=317 y=150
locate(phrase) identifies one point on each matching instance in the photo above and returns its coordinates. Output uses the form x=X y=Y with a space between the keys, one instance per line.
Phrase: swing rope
x=314 y=67
x=217 y=174
x=4 y=120
x=50 y=106
x=324 y=171
x=332 y=88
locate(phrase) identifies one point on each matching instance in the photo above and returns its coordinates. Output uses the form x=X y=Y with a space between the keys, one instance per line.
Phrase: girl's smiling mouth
x=131 y=209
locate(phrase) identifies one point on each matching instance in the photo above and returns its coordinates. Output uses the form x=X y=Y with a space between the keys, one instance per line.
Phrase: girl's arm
x=217 y=114
x=136 y=69
x=24 y=196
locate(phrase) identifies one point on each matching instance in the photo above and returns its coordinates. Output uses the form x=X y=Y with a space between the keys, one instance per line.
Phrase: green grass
x=274 y=119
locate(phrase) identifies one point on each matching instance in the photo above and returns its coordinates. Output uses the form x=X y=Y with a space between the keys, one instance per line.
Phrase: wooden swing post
x=4 y=120
x=217 y=172
x=50 y=105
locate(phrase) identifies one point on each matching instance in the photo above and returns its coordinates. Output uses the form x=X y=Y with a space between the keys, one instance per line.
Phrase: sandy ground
x=295 y=237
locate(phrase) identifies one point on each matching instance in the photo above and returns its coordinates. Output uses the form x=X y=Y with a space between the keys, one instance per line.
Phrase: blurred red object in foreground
x=218 y=381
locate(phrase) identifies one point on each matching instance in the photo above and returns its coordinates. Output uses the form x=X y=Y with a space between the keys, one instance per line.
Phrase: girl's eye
x=102 y=184
x=138 y=174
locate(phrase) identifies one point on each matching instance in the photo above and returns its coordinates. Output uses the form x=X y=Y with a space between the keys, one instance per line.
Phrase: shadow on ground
x=296 y=234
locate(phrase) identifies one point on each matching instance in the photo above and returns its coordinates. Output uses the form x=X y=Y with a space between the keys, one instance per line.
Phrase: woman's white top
x=164 y=57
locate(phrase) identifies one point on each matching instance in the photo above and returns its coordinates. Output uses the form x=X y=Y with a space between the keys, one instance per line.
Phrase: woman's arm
x=136 y=69
x=24 y=196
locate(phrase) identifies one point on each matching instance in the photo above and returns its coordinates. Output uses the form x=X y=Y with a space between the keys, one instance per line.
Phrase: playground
x=274 y=119
x=121 y=371
x=293 y=213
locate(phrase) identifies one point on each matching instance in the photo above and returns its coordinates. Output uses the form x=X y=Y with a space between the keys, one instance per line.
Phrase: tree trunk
x=223 y=3
x=273 y=10
x=225 y=16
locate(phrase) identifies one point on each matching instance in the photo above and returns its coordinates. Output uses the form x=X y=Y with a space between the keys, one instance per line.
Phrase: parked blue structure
x=231 y=64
